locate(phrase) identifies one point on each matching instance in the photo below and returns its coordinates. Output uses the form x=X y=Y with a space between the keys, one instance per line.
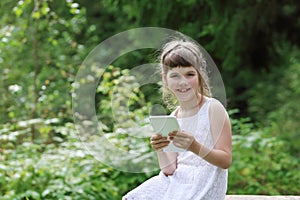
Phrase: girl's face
x=184 y=83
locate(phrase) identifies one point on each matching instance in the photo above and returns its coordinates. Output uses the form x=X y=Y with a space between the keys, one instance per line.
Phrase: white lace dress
x=194 y=178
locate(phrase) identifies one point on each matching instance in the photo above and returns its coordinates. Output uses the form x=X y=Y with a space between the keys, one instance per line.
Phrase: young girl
x=200 y=172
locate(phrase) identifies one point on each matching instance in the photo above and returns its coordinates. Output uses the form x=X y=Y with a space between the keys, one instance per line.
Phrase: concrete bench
x=259 y=197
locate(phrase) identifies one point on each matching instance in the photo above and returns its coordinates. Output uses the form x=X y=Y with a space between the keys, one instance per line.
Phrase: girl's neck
x=187 y=109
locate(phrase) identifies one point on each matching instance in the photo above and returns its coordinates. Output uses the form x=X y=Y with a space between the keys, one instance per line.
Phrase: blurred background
x=255 y=45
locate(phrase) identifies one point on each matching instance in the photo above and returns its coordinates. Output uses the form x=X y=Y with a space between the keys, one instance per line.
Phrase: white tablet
x=165 y=124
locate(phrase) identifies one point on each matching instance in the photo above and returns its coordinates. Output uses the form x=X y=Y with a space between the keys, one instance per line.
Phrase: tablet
x=165 y=124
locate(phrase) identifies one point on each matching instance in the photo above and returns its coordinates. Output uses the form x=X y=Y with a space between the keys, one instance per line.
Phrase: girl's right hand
x=159 y=142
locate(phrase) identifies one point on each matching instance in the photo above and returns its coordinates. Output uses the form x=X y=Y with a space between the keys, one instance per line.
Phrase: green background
x=255 y=45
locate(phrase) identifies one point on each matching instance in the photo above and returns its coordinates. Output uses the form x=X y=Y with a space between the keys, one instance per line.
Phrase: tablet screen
x=164 y=125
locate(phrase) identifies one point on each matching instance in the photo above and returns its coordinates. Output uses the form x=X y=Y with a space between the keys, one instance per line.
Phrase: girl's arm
x=167 y=160
x=220 y=155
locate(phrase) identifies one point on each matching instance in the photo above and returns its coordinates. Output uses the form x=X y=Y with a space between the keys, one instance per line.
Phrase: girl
x=200 y=172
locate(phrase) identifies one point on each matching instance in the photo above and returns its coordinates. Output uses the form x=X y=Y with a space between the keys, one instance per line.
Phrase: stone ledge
x=259 y=197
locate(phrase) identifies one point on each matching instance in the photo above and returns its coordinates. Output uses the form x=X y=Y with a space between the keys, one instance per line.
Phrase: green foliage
x=62 y=170
x=276 y=98
x=120 y=101
x=241 y=36
x=53 y=164
x=38 y=63
x=262 y=163
x=122 y=127
x=43 y=42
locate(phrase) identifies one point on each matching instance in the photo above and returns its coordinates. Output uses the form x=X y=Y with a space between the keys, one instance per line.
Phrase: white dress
x=194 y=178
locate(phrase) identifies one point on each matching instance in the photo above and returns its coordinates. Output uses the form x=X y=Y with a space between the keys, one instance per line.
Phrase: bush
x=261 y=163
x=59 y=171
x=274 y=100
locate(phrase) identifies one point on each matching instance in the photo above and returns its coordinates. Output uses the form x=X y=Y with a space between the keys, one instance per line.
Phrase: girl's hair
x=179 y=53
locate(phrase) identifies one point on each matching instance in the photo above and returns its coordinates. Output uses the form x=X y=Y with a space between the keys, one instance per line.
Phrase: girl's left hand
x=182 y=139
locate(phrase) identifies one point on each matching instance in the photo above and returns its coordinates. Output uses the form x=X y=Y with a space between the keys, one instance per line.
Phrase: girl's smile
x=184 y=90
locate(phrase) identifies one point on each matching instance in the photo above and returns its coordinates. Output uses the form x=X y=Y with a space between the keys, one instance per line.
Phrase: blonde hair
x=179 y=53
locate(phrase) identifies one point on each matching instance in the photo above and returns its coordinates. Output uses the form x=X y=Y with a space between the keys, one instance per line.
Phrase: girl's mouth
x=183 y=90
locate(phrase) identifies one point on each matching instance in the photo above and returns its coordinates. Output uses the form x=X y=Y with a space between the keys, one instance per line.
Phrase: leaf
x=45 y=9
x=18 y=11
x=36 y=15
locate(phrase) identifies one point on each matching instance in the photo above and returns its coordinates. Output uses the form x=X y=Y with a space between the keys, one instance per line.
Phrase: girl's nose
x=182 y=81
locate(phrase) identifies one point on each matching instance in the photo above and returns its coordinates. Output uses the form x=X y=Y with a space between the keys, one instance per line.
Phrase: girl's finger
x=157 y=141
x=173 y=133
x=161 y=145
x=156 y=136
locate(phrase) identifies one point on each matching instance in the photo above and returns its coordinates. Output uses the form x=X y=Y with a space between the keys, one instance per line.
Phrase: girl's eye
x=191 y=74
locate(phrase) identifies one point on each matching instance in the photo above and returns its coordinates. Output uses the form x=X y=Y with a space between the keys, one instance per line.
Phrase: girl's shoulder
x=215 y=102
x=216 y=107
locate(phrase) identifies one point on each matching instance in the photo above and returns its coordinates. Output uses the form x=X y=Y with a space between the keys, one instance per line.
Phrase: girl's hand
x=182 y=139
x=158 y=142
